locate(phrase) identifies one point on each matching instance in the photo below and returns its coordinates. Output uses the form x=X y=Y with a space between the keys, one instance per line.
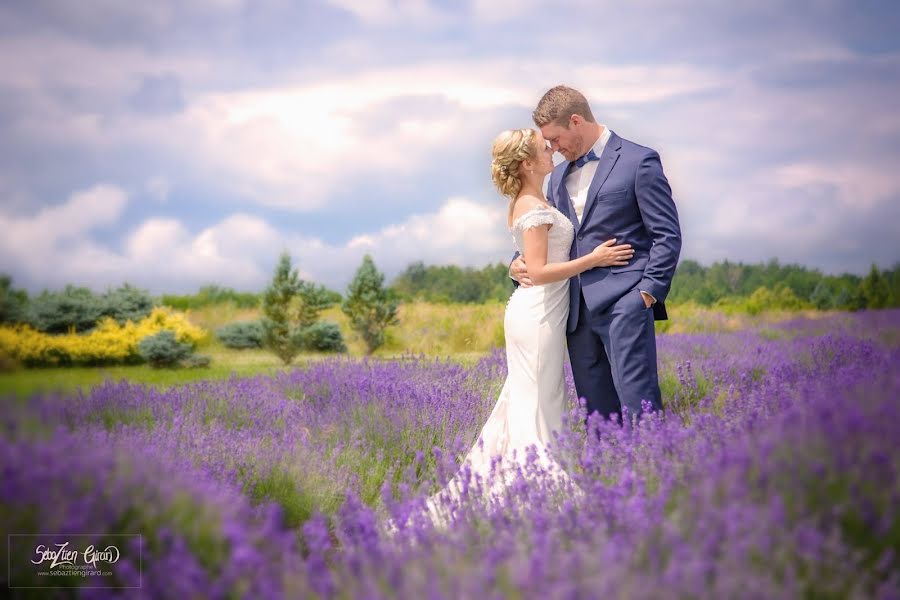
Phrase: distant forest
x=769 y=285
x=725 y=285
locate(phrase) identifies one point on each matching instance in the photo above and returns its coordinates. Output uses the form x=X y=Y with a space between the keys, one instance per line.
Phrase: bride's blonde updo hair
x=509 y=151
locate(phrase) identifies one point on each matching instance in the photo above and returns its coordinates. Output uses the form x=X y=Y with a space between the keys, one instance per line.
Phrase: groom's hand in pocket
x=519 y=272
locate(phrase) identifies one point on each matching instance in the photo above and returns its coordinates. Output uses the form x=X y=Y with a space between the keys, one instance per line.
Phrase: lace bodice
x=560 y=236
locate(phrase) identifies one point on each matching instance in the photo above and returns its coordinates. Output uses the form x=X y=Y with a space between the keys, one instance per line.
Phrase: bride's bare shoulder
x=525 y=203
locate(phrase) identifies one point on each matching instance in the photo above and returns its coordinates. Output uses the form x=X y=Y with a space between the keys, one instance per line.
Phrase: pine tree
x=369 y=306
x=13 y=303
x=822 y=297
x=313 y=300
x=291 y=310
x=893 y=277
x=875 y=289
x=277 y=307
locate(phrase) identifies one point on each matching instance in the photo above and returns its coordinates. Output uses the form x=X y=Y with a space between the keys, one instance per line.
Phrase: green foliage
x=277 y=302
x=728 y=284
x=782 y=298
x=724 y=284
x=163 y=350
x=74 y=308
x=370 y=307
x=79 y=309
x=323 y=336
x=450 y=283
x=875 y=289
x=13 y=303
x=211 y=294
x=312 y=299
x=822 y=298
x=126 y=303
x=242 y=334
x=24 y=383
x=291 y=307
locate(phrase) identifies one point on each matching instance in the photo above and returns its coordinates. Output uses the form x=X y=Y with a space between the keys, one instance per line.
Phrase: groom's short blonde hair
x=559 y=104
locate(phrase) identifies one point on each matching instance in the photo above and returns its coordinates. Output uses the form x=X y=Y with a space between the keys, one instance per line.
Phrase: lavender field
x=772 y=474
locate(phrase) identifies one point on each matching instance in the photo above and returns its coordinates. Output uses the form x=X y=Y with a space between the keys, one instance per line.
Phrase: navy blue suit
x=610 y=332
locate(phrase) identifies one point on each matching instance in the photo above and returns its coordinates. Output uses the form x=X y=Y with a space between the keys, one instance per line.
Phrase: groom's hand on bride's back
x=519 y=272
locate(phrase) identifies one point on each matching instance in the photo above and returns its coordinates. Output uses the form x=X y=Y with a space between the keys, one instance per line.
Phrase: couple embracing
x=594 y=264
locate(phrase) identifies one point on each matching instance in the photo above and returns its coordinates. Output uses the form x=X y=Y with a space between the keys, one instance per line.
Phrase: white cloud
x=287 y=144
x=44 y=245
x=233 y=252
x=240 y=251
x=494 y=11
x=292 y=146
x=37 y=61
x=57 y=246
x=461 y=232
x=392 y=12
x=635 y=85
x=859 y=186
x=771 y=148
x=84 y=211
x=157 y=241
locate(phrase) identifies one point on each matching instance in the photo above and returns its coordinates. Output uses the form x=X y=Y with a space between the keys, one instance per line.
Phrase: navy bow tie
x=586 y=159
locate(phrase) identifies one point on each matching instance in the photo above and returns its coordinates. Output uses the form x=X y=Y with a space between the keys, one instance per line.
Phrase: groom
x=610 y=188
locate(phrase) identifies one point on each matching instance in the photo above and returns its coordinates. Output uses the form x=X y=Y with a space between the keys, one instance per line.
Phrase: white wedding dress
x=531 y=404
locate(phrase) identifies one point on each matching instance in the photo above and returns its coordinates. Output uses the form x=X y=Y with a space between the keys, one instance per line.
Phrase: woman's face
x=543 y=162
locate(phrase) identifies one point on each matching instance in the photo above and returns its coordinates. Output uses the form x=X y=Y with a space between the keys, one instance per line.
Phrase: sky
x=174 y=144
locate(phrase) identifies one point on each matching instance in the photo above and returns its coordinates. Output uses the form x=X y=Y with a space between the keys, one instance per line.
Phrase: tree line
x=726 y=280
x=770 y=284
x=290 y=306
x=751 y=286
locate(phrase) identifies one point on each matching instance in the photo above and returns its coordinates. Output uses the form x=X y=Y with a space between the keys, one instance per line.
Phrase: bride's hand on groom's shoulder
x=519 y=272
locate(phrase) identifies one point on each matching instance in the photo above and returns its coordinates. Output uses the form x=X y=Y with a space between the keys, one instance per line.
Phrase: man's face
x=565 y=139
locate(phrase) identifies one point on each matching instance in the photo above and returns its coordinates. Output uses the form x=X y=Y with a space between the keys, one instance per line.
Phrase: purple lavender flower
x=772 y=473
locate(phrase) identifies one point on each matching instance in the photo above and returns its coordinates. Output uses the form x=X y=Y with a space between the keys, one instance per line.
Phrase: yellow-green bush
x=433 y=329
x=107 y=343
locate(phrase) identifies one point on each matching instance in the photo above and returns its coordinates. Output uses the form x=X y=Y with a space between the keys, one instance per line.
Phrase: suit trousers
x=613 y=357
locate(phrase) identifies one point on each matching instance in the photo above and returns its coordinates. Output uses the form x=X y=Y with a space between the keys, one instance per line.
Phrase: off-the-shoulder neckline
x=539 y=207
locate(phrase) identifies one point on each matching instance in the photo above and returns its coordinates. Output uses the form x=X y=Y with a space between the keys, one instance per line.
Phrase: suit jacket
x=630 y=200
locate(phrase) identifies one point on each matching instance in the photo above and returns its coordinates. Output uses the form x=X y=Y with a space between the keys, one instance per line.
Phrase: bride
x=531 y=404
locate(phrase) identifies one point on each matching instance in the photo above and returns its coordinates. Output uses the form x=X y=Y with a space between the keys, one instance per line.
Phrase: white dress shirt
x=579 y=180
